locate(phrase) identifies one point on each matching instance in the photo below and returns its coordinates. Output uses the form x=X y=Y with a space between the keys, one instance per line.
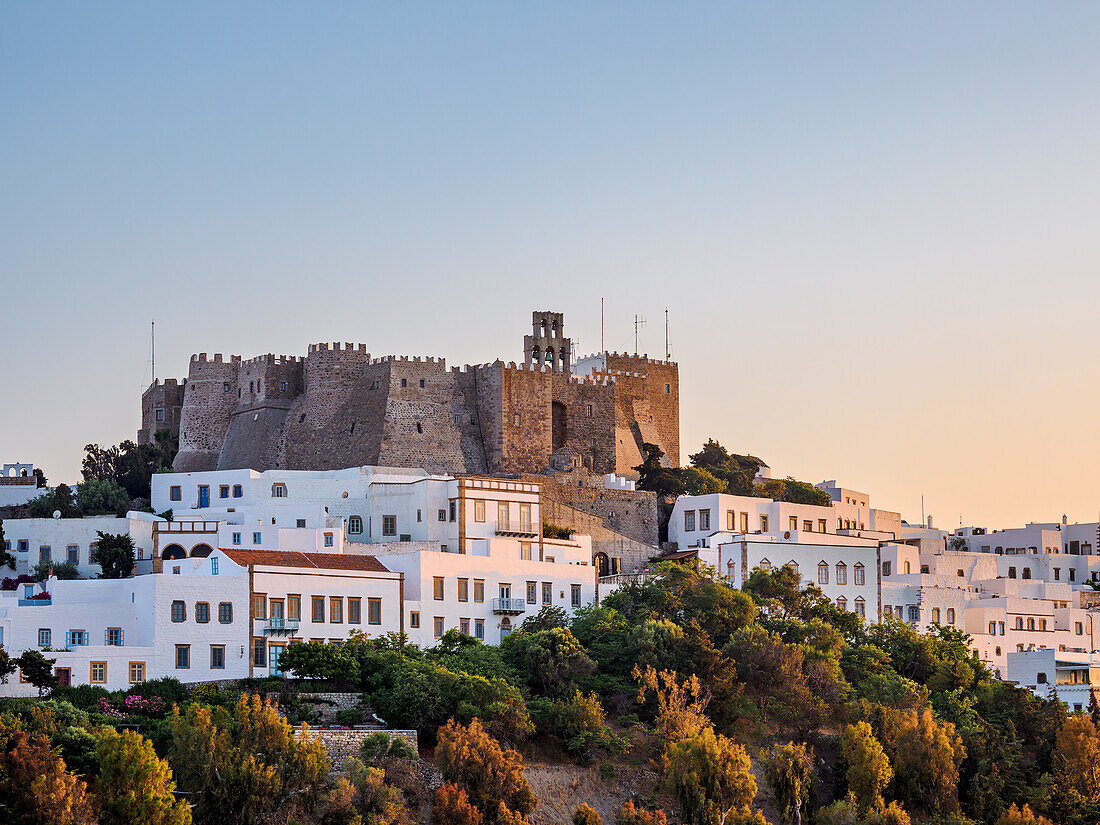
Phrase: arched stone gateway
x=201 y=551
x=603 y=565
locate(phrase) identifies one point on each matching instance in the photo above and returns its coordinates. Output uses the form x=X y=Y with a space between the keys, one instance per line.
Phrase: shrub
x=350 y=717
x=205 y=692
x=586 y=815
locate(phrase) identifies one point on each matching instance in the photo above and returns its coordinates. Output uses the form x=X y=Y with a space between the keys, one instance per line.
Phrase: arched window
x=861 y=607
x=860 y=574
x=951 y=615
x=278 y=490
x=822 y=572
x=550 y=355
x=1027 y=572
x=535 y=354
x=355 y=525
x=842 y=603
x=841 y=573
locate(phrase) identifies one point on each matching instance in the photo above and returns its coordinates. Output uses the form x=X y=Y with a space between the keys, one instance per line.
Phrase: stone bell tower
x=547 y=344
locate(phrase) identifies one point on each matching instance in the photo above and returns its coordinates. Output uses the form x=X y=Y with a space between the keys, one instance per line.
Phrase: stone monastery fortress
x=339 y=407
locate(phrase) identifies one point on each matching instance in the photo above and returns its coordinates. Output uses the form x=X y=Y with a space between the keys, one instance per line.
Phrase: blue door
x=204 y=496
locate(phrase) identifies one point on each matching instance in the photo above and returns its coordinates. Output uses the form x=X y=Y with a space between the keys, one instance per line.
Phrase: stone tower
x=547 y=344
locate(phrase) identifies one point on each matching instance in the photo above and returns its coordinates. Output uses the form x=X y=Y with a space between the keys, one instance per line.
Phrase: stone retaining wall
x=342 y=744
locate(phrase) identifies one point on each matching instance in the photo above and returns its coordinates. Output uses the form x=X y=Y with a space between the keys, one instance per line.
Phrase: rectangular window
x=731 y=520
x=225 y=613
x=860 y=579
x=300 y=523
x=238 y=491
x=689 y=521
x=886 y=568
x=374 y=611
x=22 y=544
x=76 y=638
x=159 y=415
x=532 y=592
x=257 y=538
x=214 y=566
x=438 y=629
x=464 y=626
x=204 y=495
x=452 y=511
x=202 y=612
x=389 y=525
x=179 y=611
x=704 y=519
x=259 y=653
x=72 y=554
x=525 y=518
x=44 y=554
x=336 y=610
x=414 y=618
x=823 y=574
x=183 y=657
x=319 y=609
x=502 y=515
x=223 y=491
x=479 y=510
x=137 y=672
x=355 y=610
x=113 y=637
x=175 y=493
x=525 y=550
x=97 y=673
x=259 y=606
x=763 y=524
x=479 y=629
x=236 y=538
x=575 y=595
x=744 y=522
x=861 y=609
x=217 y=657
x=328 y=540
x=464 y=590
x=822 y=525
x=547 y=592
x=437 y=588
x=479 y=590
x=442 y=515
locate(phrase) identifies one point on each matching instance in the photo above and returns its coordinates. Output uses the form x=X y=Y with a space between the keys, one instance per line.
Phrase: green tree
x=57 y=500
x=134 y=786
x=1094 y=706
x=700 y=482
x=8 y=665
x=239 y=764
x=789 y=770
x=115 y=555
x=102 y=498
x=35 y=787
x=869 y=770
x=586 y=815
x=37 y=669
x=581 y=723
x=711 y=777
x=491 y=776
x=552 y=661
x=654 y=474
x=317 y=660
x=1077 y=759
x=925 y=755
x=680 y=706
x=630 y=815
x=6 y=558
x=62 y=570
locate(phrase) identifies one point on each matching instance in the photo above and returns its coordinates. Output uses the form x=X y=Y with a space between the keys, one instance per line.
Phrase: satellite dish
x=57 y=514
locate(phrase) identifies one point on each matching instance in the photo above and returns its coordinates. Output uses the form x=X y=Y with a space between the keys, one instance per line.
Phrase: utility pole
x=638 y=322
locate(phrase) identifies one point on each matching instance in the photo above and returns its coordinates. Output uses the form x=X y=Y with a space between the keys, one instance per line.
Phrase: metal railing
x=276 y=626
x=509 y=605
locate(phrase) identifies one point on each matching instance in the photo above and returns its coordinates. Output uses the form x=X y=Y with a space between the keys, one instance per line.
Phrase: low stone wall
x=325 y=705
x=342 y=744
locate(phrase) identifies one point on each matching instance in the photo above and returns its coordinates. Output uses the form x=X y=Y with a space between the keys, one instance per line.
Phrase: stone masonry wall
x=338 y=407
x=343 y=744
x=166 y=395
x=630 y=513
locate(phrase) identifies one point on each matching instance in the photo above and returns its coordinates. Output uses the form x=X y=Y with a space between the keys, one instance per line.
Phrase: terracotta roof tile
x=319 y=561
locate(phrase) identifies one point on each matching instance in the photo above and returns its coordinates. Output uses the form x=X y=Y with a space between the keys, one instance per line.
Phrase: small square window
x=98 y=673
x=257 y=538
x=175 y=493
x=179 y=611
x=44 y=637
x=225 y=613
x=328 y=540
x=183 y=657
x=137 y=672
x=238 y=491
x=414 y=618
x=422 y=383
x=217 y=657
x=223 y=491
x=114 y=637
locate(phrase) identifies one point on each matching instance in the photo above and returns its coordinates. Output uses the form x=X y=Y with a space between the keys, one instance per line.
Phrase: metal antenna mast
x=153 y=348
x=638 y=322
x=668 y=353
x=602 y=350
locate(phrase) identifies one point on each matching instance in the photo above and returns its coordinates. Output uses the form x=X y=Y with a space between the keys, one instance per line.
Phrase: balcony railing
x=509 y=606
x=34 y=602
x=279 y=627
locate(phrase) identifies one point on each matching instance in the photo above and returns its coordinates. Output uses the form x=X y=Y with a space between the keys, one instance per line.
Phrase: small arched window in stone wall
x=355 y=525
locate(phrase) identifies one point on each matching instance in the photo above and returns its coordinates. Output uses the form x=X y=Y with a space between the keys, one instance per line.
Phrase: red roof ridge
x=314 y=560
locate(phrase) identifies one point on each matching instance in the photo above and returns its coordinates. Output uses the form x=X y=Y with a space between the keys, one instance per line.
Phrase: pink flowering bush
x=133 y=706
x=107 y=709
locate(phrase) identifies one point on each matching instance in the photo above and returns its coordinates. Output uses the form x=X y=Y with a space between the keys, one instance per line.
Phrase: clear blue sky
x=874 y=225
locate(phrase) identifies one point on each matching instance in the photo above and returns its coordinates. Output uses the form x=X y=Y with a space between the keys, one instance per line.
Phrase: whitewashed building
x=1073 y=675
x=18 y=484
x=190 y=623
x=34 y=540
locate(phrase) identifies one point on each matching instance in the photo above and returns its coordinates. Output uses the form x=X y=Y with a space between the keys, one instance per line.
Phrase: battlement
x=644 y=358
x=410 y=359
x=217 y=359
x=347 y=347
x=269 y=358
x=167 y=382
